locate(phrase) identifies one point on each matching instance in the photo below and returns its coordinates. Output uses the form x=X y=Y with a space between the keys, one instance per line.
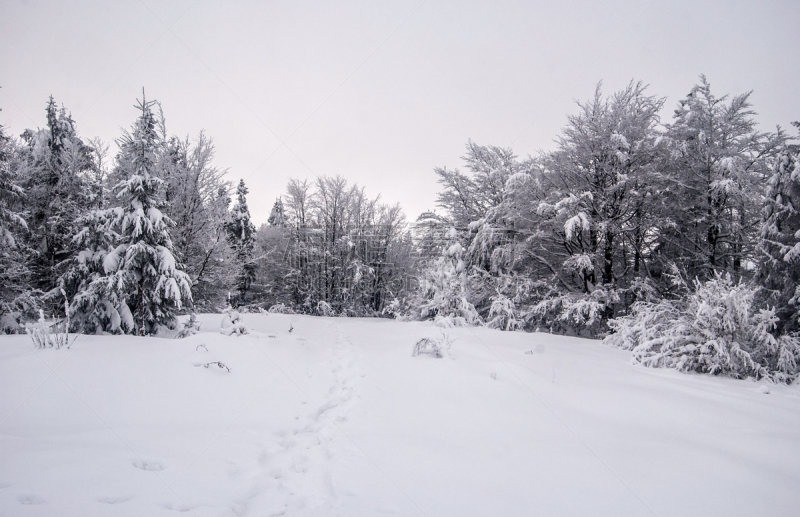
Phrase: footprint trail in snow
x=295 y=465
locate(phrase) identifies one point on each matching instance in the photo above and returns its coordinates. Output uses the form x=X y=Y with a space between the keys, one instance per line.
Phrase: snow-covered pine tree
x=13 y=273
x=57 y=166
x=241 y=237
x=141 y=268
x=779 y=242
x=277 y=217
x=10 y=193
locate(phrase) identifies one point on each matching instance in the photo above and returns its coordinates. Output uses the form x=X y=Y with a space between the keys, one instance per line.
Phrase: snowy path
x=336 y=418
x=294 y=463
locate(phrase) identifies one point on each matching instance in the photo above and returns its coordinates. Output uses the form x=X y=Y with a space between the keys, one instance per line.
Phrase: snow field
x=337 y=418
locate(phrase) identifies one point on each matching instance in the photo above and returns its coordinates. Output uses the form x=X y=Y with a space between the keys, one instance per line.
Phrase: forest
x=676 y=239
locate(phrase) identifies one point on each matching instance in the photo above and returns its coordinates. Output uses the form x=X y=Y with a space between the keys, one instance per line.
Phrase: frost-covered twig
x=434 y=347
x=218 y=363
x=44 y=335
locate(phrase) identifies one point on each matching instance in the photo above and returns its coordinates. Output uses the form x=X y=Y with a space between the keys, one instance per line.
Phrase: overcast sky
x=379 y=92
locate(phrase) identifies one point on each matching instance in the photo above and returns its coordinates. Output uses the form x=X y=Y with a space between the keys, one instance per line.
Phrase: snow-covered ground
x=337 y=418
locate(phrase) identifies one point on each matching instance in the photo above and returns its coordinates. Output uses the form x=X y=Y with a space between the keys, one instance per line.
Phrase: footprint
x=153 y=466
x=4 y=484
x=31 y=499
x=114 y=500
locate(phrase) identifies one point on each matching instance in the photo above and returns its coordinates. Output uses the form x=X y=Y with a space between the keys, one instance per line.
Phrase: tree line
x=677 y=239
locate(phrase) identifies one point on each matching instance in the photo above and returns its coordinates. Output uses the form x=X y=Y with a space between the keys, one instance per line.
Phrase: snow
x=577 y=222
x=337 y=418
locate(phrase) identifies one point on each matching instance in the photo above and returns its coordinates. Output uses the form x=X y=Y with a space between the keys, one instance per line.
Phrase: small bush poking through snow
x=280 y=308
x=232 y=323
x=55 y=336
x=715 y=329
x=324 y=309
x=434 y=347
x=503 y=314
x=10 y=323
x=190 y=328
x=45 y=335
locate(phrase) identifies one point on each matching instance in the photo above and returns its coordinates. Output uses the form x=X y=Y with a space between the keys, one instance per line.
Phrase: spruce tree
x=241 y=237
x=277 y=216
x=13 y=274
x=779 y=241
x=141 y=269
x=56 y=165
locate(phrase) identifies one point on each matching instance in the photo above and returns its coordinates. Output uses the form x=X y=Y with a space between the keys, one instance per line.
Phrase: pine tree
x=57 y=166
x=779 y=242
x=13 y=273
x=277 y=216
x=141 y=268
x=241 y=237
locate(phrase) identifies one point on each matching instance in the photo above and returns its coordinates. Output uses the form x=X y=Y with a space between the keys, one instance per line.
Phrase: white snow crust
x=337 y=418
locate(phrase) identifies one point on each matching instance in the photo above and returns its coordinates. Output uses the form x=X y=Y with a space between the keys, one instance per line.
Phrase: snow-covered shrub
x=503 y=314
x=716 y=329
x=324 y=308
x=232 y=323
x=574 y=313
x=190 y=328
x=396 y=309
x=443 y=292
x=280 y=308
x=435 y=347
x=10 y=323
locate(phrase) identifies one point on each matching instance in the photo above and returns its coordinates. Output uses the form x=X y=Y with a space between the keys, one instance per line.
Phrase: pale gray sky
x=379 y=92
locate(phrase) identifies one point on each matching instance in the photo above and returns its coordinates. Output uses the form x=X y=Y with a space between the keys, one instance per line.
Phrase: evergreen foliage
x=57 y=166
x=779 y=239
x=241 y=237
x=13 y=273
x=277 y=217
x=141 y=286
